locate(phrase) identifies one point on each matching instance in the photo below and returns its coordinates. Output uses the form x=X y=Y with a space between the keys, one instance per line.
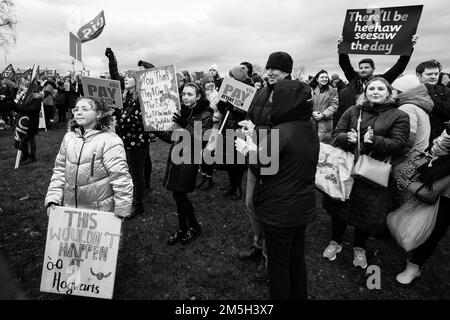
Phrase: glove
x=224 y=107
x=182 y=122
x=51 y=206
x=109 y=53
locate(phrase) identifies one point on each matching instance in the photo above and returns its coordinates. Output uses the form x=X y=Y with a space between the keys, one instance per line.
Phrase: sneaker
x=253 y=254
x=411 y=272
x=191 y=235
x=262 y=273
x=176 y=237
x=332 y=250
x=359 y=257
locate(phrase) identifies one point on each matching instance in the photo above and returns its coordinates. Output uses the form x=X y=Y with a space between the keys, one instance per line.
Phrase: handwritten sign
x=380 y=31
x=237 y=93
x=158 y=95
x=81 y=253
x=104 y=89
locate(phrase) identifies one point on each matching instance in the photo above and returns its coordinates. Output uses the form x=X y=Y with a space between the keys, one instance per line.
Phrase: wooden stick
x=223 y=123
x=19 y=154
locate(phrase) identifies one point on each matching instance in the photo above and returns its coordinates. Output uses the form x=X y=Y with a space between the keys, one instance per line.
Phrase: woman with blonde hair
x=384 y=132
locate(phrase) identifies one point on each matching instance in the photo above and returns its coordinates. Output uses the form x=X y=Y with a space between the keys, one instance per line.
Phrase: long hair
x=362 y=99
x=315 y=83
x=105 y=121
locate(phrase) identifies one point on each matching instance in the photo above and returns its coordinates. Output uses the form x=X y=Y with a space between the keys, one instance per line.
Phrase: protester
x=258 y=82
x=279 y=67
x=428 y=74
x=285 y=201
x=8 y=91
x=235 y=171
x=357 y=79
x=249 y=68
x=207 y=170
x=91 y=170
x=325 y=103
x=384 y=133
x=48 y=102
x=444 y=79
x=180 y=178
x=337 y=83
x=214 y=71
x=130 y=128
x=60 y=101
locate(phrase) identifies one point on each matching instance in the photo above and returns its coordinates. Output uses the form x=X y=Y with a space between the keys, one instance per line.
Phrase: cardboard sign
x=81 y=252
x=159 y=98
x=380 y=31
x=237 y=93
x=104 y=89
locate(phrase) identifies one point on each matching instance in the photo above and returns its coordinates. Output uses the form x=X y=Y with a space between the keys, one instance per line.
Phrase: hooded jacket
x=417 y=104
x=325 y=102
x=287 y=198
x=441 y=111
x=91 y=172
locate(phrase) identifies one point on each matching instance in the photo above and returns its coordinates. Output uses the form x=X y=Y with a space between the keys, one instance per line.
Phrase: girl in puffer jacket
x=91 y=170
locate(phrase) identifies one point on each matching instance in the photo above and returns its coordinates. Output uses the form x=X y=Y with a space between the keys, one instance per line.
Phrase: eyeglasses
x=82 y=109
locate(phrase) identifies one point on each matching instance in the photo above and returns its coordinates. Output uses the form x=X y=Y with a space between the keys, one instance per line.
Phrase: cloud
x=194 y=34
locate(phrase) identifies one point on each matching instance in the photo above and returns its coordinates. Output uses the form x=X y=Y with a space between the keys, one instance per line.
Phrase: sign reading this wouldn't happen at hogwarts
x=81 y=252
x=383 y=31
x=159 y=98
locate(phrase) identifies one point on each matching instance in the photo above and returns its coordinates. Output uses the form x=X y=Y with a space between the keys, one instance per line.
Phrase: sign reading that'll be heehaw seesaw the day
x=237 y=93
x=158 y=95
x=104 y=89
x=81 y=253
x=380 y=31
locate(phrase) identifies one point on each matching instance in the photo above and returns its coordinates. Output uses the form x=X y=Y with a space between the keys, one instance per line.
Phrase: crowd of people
x=106 y=165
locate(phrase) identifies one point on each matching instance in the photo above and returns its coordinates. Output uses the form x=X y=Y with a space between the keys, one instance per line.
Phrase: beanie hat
x=406 y=83
x=281 y=61
x=249 y=67
x=369 y=61
x=206 y=79
x=145 y=64
x=334 y=76
x=214 y=67
x=239 y=72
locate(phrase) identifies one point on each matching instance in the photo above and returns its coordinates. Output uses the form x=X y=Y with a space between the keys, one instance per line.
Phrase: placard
x=105 y=89
x=237 y=93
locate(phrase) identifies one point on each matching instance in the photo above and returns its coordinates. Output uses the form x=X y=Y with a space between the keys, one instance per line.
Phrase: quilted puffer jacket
x=91 y=172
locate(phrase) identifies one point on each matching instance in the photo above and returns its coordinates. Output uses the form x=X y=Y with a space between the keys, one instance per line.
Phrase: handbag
x=407 y=173
x=370 y=169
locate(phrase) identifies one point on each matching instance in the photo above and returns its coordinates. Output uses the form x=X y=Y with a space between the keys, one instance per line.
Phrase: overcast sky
x=195 y=34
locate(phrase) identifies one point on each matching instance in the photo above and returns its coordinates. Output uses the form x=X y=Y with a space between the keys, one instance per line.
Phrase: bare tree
x=8 y=23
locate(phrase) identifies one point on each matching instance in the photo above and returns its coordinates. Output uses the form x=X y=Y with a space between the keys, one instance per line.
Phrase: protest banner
x=105 y=89
x=92 y=29
x=81 y=252
x=237 y=93
x=9 y=72
x=42 y=124
x=382 y=31
x=159 y=98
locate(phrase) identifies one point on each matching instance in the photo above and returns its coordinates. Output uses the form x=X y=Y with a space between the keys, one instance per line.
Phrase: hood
x=417 y=96
x=290 y=102
x=202 y=105
x=378 y=108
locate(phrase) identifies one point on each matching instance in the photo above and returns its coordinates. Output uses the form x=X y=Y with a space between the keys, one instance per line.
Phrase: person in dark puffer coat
x=384 y=132
x=180 y=178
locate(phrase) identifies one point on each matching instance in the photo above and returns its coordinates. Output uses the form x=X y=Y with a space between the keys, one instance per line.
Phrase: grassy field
x=206 y=269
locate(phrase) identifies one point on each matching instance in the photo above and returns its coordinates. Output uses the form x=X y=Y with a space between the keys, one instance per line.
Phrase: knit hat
x=239 y=72
x=406 y=83
x=214 y=67
x=206 y=79
x=249 y=67
x=145 y=64
x=334 y=76
x=281 y=61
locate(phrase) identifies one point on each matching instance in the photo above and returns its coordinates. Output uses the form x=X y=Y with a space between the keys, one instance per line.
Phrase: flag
x=74 y=47
x=92 y=29
x=9 y=72
x=21 y=131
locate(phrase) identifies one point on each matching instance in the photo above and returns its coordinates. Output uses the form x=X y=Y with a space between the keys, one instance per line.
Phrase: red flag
x=74 y=47
x=92 y=29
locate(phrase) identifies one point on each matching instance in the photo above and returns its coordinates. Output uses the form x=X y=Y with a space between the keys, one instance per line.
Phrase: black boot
x=176 y=237
x=237 y=194
x=191 y=235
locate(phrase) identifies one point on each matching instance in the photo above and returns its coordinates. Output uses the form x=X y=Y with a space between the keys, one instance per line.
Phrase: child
x=91 y=170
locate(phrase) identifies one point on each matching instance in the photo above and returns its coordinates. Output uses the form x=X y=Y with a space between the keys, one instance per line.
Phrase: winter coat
x=355 y=82
x=417 y=104
x=441 y=147
x=259 y=110
x=181 y=177
x=325 y=102
x=30 y=108
x=391 y=132
x=130 y=126
x=286 y=198
x=441 y=111
x=91 y=172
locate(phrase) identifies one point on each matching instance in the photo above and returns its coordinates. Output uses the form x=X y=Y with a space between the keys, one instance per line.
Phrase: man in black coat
x=357 y=79
x=285 y=198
